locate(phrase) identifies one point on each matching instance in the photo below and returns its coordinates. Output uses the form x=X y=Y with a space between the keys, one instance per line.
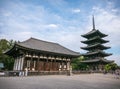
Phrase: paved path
x=83 y=81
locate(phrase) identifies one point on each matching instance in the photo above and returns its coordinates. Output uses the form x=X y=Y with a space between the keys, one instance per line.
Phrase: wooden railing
x=30 y=73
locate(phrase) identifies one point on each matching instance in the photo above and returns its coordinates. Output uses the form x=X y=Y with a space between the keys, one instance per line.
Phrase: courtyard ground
x=82 y=81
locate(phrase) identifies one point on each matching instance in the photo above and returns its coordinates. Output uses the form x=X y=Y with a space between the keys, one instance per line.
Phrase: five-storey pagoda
x=95 y=57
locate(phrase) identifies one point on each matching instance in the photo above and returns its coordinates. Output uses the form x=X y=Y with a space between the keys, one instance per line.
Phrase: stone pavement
x=82 y=81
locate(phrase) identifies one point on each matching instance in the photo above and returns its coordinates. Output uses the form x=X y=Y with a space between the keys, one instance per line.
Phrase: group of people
x=117 y=73
x=24 y=73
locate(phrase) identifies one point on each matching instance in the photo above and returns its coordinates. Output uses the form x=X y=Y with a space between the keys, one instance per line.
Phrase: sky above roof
x=61 y=21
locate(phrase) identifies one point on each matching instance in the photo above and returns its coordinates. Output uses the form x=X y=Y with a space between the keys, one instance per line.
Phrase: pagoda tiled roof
x=95 y=39
x=44 y=46
x=97 y=45
x=97 y=60
x=103 y=54
x=94 y=32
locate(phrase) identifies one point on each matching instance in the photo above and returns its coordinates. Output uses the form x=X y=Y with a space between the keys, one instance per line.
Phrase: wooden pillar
x=55 y=63
x=17 y=64
x=40 y=63
x=51 y=64
x=34 y=65
x=68 y=64
x=14 y=65
x=47 y=64
x=44 y=64
x=48 y=68
x=19 y=59
x=22 y=62
x=64 y=64
x=14 y=68
x=31 y=64
x=37 y=63
x=61 y=64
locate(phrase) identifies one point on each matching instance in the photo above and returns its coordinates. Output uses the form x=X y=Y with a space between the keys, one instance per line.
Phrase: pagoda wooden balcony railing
x=95 y=43
x=94 y=38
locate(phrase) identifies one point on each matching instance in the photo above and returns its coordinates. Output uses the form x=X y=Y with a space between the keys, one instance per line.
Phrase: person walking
x=26 y=71
x=117 y=74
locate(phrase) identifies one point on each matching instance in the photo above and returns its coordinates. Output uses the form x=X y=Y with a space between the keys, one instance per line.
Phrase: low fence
x=81 y=72
x=86 y=71
x=13 y=73
x=35 y=73
x=30 y=73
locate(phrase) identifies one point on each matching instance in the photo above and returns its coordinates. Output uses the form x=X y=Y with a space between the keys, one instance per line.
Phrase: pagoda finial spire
x=93 y=23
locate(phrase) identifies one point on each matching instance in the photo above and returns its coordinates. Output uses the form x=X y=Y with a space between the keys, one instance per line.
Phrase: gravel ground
x=82 y=81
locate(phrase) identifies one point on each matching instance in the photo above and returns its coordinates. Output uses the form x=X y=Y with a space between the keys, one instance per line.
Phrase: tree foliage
x=111 y=66
x=78 y=65
x=6 y=60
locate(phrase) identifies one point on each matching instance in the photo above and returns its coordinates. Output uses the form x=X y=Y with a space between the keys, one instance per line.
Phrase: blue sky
x=61 y=21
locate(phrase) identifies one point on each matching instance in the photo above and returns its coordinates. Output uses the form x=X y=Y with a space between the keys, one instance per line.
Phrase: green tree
x=107 y=67
x=78 y=65
x=75 y=62
x=114 y=66
x=3 y=45
x=8 y=61
x=111 y=66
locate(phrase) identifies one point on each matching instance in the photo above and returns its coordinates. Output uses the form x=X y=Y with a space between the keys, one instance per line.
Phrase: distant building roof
x=40 y=45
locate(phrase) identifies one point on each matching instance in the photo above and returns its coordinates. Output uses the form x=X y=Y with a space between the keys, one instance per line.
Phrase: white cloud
x=7 y=14
x=21 y=36
x=76 y=10
x=52 y=26
x=1 y=24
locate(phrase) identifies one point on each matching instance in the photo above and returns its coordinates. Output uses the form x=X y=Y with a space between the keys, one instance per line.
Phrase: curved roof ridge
x=44 y=40
x=38 y=40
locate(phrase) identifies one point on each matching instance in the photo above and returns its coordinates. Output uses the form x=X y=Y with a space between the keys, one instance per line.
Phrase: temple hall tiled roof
x=40 y=45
